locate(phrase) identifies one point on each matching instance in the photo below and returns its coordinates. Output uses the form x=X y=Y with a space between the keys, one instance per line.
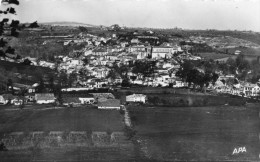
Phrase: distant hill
x=65 y=23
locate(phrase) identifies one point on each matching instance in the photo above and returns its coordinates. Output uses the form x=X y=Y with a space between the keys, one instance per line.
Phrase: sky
x=186 y=14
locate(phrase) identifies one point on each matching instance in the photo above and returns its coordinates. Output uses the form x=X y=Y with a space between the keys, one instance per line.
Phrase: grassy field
x=213 y=55
x=21 y=67
x=65 y=120
x=68 y=119
x=180 y=100
x=176 y=97
x=197 y=133
x=245 y=51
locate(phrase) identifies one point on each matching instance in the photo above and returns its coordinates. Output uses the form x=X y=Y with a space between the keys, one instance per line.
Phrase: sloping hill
x=65 y=23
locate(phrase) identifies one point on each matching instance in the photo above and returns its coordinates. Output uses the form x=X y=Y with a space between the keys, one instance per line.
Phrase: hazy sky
x=188 y=14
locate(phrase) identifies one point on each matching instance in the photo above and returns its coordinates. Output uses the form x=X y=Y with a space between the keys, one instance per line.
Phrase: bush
x=205 y=101
x=121 y=111
x=21 y=106
x=129 y=132
x=109 y=131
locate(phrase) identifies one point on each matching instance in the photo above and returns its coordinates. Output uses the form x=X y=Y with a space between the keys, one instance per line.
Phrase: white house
x=136 y=98
x=135 y=40
x=47 y=64
x=100 y=51
x=44 y=98
x=87 y=100
x=162 y=52
x=179 y=83
x=18 y=101
x=3 y=101
x=5 y=98
x=141 y=51
x=251 y=90
x=237 y=52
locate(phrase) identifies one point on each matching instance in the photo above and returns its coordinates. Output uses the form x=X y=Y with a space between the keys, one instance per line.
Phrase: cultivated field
x=68 y=119
x=68 y=134
x=197 y=133
x=213 y=55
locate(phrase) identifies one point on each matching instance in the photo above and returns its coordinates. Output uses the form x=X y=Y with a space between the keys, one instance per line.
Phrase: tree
x=72 y=78
x=184 y=70
x=115 y=27
x=144 y=69
x=27 y=62
x=119 y=70
x=10 y=85
x=34 y=25
x=125 y=83
x=242 y=64
x=112 y=75
x=133 y=78
x=231 y=66
x=214 y=78
x=83 y=29
x=85 y=61
x=63 y=78
x=193 y=73
x=8 y=26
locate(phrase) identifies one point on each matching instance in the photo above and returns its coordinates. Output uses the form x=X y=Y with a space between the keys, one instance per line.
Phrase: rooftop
x=110 y=103
x=44 y=96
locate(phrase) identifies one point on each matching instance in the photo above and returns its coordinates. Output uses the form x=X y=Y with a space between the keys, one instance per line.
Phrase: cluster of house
x=39 y=98
x=223 y=42
x=95 y=60
x=244 y=89
x=93 y=63
x=101 y=100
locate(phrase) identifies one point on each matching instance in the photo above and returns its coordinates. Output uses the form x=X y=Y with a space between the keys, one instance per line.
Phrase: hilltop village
x=106 y=59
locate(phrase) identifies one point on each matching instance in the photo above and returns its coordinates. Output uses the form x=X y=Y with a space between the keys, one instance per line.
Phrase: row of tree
x=198 y=74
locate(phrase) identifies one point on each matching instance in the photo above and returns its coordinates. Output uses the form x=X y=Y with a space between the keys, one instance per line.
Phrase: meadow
x=197 y=133
x=68 y=119
x=213 y=55
x=68 y=134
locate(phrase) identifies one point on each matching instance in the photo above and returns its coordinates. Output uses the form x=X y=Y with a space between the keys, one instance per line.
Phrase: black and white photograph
x=129 y=80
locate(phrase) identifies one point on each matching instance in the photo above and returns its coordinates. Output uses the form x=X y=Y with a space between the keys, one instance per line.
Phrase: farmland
x=181 y=97
x=73 y=134
x=197 y=133
x=213 y=55
x=245 y=51
x=80 y=119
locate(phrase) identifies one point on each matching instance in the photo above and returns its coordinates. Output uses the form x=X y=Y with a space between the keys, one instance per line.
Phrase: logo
x=239 y=150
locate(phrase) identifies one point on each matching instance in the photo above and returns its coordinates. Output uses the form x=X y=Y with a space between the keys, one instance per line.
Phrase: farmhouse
x=77 y=99
x=3 y=100
x=136 y=98
x=44 y=98
x=109 y=104
x=251 y=89
x=70 y=100
x=18 y=101
x=6 y=98
x=87 y=99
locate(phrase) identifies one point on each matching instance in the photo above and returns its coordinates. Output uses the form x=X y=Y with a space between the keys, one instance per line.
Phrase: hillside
x=65 y=23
